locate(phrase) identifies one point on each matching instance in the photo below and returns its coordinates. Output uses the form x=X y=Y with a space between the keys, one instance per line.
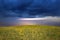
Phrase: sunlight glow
x=31 y=18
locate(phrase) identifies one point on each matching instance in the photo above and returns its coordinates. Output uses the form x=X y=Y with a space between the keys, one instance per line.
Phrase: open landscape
x=29 y=19
x=30 y=32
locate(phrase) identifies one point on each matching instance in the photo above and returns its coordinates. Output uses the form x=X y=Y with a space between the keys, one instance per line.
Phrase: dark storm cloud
x=29 y=8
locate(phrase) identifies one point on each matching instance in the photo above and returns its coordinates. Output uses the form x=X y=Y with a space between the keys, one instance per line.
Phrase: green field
x=30 y=32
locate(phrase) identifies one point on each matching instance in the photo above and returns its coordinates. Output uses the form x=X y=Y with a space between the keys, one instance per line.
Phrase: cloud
x=29 y=8
x=13 y=21
x=48 y=20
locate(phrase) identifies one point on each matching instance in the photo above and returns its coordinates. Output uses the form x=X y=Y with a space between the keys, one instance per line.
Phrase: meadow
x=30 y=32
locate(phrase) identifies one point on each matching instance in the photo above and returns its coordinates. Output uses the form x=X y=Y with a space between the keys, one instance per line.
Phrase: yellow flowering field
x=30 y=32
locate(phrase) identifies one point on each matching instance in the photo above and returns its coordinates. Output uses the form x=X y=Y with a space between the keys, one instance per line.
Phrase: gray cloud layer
x=10 y=21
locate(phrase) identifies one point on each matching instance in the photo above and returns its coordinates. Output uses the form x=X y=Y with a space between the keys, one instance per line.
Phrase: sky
x=12 y=10
x=29 y=8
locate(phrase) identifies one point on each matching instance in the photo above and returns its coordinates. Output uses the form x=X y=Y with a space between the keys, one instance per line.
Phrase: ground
x=30 y=32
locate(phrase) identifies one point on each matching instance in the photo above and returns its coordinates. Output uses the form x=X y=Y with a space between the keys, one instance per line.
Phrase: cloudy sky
x=29 y=9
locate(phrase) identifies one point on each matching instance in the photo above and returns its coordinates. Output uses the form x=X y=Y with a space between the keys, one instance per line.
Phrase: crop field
x=30 y=32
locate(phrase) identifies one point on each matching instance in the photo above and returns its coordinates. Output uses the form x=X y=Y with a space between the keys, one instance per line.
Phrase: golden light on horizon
x=27 y=23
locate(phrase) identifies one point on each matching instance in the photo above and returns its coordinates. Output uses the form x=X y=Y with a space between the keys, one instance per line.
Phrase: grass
x=30 y=32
